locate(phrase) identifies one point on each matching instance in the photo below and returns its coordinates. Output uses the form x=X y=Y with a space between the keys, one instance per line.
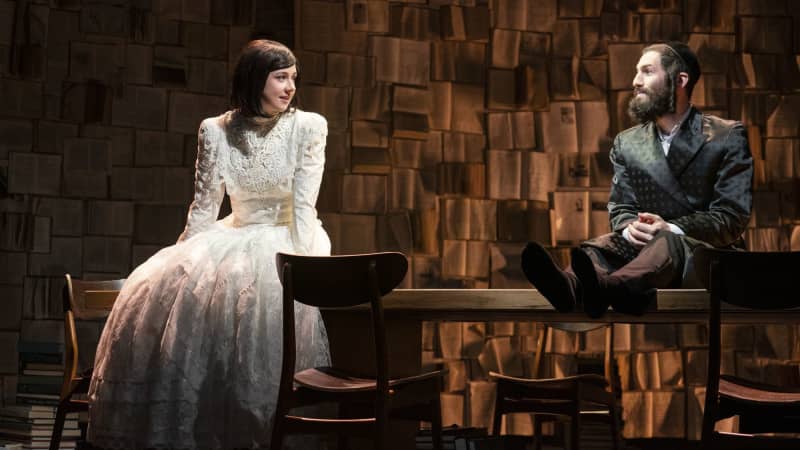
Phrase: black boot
x=602 y=291
x=559 y=287
x=595 y=302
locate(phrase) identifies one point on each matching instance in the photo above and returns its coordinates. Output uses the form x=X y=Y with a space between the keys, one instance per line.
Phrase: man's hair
x=677 y=57
x=257 y=60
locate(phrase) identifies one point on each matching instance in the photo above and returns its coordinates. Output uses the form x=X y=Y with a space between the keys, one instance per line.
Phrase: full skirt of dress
x=190 y=356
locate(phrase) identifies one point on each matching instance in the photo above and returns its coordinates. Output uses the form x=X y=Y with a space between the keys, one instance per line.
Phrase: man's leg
x=658 y=265
x=630 y=289
x=604 y=264
x=590 y=264
x=589 y=274
x=560 y=287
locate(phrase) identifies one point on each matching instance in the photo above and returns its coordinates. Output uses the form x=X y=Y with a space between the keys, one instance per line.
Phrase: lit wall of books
x=460 y=130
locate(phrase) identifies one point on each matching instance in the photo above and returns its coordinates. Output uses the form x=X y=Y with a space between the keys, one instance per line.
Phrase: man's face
x=651 y=95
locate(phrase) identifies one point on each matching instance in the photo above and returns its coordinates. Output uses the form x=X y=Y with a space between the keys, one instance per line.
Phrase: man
x=682 y=179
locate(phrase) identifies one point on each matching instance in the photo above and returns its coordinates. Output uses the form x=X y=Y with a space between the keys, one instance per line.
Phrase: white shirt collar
x=668 y=137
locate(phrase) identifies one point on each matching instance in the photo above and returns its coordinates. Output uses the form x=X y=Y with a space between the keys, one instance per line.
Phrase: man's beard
x=655 y=103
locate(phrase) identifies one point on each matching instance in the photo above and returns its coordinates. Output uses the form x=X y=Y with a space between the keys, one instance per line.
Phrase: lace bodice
x=271 y=178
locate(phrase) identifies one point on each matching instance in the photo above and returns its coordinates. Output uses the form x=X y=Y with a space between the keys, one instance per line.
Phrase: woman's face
x=278 y=90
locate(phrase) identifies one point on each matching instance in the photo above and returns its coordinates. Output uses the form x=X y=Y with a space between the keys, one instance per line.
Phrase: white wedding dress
x=190 y=356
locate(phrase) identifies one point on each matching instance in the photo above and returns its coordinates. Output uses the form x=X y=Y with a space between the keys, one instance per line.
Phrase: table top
x=673 y=306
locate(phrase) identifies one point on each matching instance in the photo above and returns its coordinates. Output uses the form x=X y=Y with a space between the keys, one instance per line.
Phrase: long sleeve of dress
x=208 y=186
x=307 y=180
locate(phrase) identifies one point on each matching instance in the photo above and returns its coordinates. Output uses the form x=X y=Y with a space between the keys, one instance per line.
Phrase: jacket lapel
x=655 y=163
x=687 y=143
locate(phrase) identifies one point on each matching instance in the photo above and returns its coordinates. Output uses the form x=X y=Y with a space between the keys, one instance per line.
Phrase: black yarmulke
x=688 y=57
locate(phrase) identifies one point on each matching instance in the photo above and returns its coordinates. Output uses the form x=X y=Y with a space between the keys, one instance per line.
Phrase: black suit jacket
x=707 y=192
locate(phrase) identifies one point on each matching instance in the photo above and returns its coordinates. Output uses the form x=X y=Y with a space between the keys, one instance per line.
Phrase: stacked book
x=450 y=435
x=505 y=442
x=30 y=422
x=592 y=435
x=41 y=362
x=595 y=435
x=31 y=426
x=8 y=445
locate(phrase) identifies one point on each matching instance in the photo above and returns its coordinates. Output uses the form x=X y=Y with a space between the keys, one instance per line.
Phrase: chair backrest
x=339 y=281
x=752 y=280
x=84 y=300
x=756 y=280
x=332 y=281
x=577 y=327
x=90 y=299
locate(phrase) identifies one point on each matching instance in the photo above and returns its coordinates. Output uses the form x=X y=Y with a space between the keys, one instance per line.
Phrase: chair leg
x=537 y=432
x=341 y=442
x=497 y=423
x=436 y=422
x=615 y=431
x=276 y=443
x=58 y=428
x=575 y=428
x=707 y=440
x=381 y=430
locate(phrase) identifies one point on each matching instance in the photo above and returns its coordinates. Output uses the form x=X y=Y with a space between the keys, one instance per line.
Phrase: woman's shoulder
x=311 y=121
x=216 y=123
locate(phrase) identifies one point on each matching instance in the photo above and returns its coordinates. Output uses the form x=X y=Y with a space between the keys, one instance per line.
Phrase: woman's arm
x=208 y=186
x=307 y=180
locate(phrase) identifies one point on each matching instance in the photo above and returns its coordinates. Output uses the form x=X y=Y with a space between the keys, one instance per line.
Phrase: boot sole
x=547 y=277
x=595 y=304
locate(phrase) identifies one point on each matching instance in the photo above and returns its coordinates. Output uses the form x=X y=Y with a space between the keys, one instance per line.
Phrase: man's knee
x=666 y=235
x=666 y=240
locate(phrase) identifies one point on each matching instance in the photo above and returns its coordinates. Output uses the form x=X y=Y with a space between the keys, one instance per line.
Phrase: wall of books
x=459 y=130
x=100 y=102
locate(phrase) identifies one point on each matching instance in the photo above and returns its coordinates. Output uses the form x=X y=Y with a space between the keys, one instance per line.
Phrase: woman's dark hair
x=257 y=60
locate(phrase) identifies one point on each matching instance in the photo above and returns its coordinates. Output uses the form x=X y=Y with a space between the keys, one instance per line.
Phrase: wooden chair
x=751 y=280
x=83 y=300
x=577 y=398
x=344 y=281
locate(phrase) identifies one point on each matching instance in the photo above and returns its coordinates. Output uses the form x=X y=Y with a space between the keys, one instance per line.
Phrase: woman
x=190 y=356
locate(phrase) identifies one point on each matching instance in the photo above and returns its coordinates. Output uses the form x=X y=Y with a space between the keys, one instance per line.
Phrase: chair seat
x=339 y=282
x=591 y=379
x=767 y=441
x=558 y=395
x=761 y=395
x=568 y=400
x=332 y=380
x=766 y=436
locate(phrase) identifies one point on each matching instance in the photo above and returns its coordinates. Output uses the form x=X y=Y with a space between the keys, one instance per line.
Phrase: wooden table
x=672 y=306
x=405 y=310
